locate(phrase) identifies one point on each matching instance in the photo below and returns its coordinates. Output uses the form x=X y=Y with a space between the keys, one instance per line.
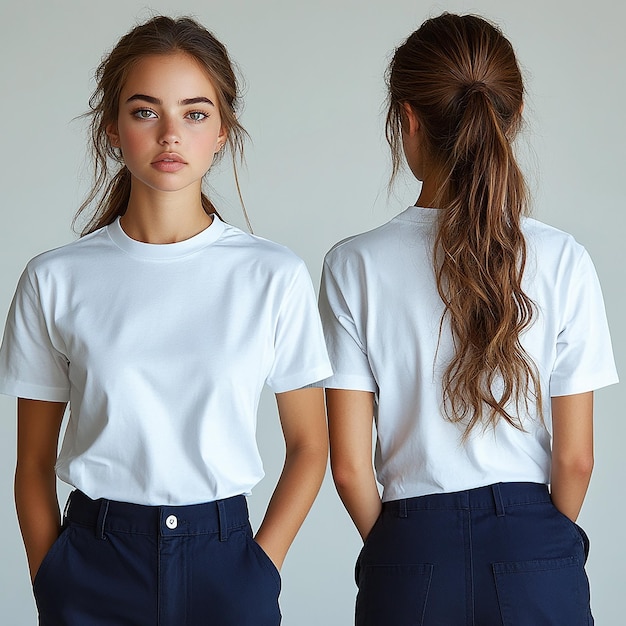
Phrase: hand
x=272 y=555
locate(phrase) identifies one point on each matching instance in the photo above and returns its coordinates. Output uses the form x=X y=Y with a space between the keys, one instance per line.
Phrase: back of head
x=460 y=76
x=160 y=35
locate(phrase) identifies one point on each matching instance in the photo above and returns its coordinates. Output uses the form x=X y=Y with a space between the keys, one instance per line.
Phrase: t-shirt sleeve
x=300 y=356
x=584 y=356
x=344 y=338
x=30 y=365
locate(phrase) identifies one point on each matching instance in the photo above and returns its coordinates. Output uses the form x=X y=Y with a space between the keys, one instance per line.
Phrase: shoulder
x=68 y=255
x=540 y=230
x=364 y=246
x=551 y=245
x=385 y=248
x=265 y=253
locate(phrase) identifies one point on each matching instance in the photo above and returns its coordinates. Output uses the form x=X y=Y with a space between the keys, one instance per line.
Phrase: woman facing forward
x=160 y=326
x=475 y=335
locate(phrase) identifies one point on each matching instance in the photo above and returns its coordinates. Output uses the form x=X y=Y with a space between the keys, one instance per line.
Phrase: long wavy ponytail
x=460 y=76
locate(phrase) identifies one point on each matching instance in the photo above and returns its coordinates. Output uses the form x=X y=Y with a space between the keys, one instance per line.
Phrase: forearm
x=350 y=415
x=569 y=486
x=572 y=451
x=359 y=494
x=37 y=511
x=295 y=492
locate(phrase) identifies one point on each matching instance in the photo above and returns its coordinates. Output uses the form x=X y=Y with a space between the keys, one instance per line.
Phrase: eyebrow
x=185 y=102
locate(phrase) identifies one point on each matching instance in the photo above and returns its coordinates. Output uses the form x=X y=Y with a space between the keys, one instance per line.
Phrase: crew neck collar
x=165 y=251
x=419 y=214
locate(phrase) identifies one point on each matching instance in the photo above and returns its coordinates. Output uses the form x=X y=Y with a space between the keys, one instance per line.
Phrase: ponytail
x=460 y=76
x=480 y=255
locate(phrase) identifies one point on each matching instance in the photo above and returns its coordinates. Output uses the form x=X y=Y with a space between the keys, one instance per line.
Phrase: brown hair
x=159 y=35
x=460 y=77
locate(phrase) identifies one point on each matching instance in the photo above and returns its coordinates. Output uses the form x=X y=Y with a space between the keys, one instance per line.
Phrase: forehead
x=168 y=76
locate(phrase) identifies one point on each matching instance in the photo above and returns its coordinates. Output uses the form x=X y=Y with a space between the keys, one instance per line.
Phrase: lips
x=169 y=162
x=169 y=157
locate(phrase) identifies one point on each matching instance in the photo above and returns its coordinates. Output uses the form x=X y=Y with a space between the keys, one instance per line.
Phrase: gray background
x=317 y=172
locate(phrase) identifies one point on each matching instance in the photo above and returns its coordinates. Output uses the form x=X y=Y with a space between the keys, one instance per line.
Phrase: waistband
x=220 y=516
x=496 y=497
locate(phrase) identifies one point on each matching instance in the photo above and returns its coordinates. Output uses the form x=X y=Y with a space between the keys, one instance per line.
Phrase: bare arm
x=302 y=417
x=572 y=451
x=38 y=425
x=350 y=417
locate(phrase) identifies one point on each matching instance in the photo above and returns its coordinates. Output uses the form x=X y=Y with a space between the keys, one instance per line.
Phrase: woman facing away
x=475 y=336
x=160 y=326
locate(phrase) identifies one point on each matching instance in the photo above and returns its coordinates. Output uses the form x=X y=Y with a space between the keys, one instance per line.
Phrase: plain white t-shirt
x=162 y=352
x=381 y=314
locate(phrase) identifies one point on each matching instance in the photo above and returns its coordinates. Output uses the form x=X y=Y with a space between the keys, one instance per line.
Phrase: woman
x=475 y=336
x=160 y=326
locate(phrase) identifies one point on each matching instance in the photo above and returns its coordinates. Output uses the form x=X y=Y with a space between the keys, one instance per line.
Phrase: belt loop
x=497 y=500
x=402 y=512
x=102 y=516
x=223 y=522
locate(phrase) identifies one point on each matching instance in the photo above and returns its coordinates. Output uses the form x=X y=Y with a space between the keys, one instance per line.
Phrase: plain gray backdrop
x=317 y=172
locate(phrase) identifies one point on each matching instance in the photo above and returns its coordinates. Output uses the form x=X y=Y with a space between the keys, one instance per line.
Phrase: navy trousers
x=119 y=564
x=500 y=555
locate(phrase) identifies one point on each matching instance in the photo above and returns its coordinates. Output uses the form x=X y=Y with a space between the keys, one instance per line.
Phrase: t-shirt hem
x=298 y=381
x=590 y=383
x=139 y=497
x=34 y=392
x=28 y=391
x=417 y=491
x=355 y=383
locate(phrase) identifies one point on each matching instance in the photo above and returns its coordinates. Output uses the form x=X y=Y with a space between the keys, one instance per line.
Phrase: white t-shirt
x=381 y=313
x=162 y=351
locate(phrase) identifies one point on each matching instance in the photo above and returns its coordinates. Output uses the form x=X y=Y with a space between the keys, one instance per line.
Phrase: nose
x=170 y=133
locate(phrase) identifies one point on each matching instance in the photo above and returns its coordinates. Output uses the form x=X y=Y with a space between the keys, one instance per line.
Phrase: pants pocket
x=543 y=592
x=265 y=560
x=577 y=530
x=368 y=540
x=393 y=594
x=585 y=538
x=48 y=559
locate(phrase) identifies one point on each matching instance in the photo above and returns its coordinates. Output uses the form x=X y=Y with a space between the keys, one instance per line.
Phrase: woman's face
x=169 y=126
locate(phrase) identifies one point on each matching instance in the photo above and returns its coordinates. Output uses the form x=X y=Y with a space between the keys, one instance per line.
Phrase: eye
x=144 y=114
x=197 y=116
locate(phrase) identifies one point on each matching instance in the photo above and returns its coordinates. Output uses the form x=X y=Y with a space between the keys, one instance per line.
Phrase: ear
x=222 y=138
x=113 y=134
x=411 y=124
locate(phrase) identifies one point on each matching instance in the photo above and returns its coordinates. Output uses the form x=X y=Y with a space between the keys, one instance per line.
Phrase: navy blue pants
x=500 y=555
x=118 y=564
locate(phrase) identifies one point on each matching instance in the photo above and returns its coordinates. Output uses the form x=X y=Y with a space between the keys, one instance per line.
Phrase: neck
x=428 y=193
x=164 y=217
